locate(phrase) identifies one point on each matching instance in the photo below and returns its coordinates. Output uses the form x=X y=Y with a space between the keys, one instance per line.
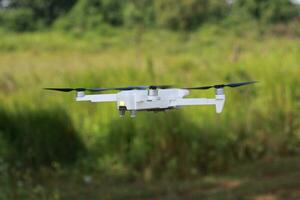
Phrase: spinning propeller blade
x=153 y=87
x=66 y=89
x=221 y=86
x=109 y=89
x=96 y=89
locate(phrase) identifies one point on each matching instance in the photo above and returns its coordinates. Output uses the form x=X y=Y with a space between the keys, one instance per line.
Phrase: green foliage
x=139 y=12
x=268 y=11
x=151 y=144
x=20 y=19
x=111 y=11
x=87 y=15
x=258 y=121
x=44 y=11
x=176 y=15
x=84 y=15
x=38 y=138
x=171 y=14
x=187 y=15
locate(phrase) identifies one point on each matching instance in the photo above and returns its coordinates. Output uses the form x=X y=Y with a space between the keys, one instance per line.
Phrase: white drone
x=152 y=98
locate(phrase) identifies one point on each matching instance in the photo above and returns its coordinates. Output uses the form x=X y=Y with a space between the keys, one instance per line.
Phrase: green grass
x=267 y=179
x=258 y=121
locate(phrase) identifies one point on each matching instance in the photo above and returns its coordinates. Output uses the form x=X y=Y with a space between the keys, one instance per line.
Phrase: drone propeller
x=151 y=87
x=221 y=86
x=66 y=89
x=109 y=89
x=96 y=89
x=154 y=87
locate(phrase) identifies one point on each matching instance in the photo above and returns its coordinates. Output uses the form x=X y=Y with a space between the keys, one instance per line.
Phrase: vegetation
x=250 y=127
x=30 y=140
x=50 y=144
x=84 y=15
x=267 y=179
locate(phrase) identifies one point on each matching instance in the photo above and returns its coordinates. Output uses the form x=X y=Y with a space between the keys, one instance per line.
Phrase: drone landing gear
x=122 y=113
x=122 y=110
x=132 y=113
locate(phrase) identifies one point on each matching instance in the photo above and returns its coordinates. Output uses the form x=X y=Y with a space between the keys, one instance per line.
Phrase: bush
x=268 y=11
x=20 y=19
x=172 y=14
x=92 y=14
x=39 y=138
x=180 y=14
x=139 y=12
x=166 y=146
x=175 y=15
x=44 y=11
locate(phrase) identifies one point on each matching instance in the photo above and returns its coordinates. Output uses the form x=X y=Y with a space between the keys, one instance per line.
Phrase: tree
x=139 y=12
x=92 y=14
x=20 y=19
x=180 y=14
x=270 y=11
x=45 y=11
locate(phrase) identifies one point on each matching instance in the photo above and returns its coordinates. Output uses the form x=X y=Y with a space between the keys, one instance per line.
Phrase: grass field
x=258 y=122
x=270 y=179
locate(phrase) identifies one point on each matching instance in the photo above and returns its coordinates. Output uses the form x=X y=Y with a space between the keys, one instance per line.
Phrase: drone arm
x=218 y=102
x=97 y=97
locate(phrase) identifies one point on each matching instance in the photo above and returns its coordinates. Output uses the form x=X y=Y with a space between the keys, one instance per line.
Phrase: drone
x=154 y=98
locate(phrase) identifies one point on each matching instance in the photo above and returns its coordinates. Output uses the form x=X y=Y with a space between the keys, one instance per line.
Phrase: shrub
x=39 y=138
x=20 y=19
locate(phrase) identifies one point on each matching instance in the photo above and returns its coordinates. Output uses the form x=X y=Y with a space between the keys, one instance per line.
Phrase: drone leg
x=220 y=100
x=122 y=113
x=133 y=114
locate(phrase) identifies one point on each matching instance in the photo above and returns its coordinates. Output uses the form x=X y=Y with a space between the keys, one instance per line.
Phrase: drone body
x=152 y=98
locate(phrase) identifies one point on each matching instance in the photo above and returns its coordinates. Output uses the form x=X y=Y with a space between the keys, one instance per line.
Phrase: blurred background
x=54 y=148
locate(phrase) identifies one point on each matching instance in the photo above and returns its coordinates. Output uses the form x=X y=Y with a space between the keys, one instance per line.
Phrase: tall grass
x=258 y=121
x=38 y=138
